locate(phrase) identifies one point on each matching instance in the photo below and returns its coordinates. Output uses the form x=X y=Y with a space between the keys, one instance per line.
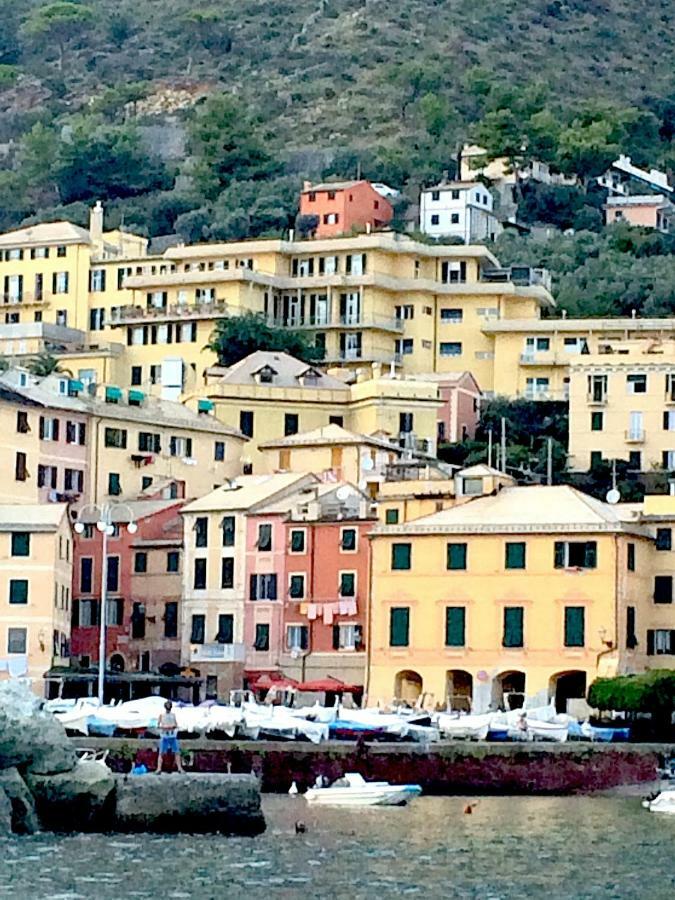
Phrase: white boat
x=662 y=803
x=547 y=731
x=467 y=727
x=353 y=790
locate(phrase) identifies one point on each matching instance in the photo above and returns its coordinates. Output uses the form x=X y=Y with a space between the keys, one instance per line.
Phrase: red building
x=341 y=206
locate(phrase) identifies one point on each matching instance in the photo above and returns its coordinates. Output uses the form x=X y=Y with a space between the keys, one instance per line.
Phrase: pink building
x=340 y=206
x=459 y=415
x=646 y=210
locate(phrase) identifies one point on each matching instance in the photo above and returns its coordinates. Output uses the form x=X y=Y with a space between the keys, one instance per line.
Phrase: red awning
x=270 y=680
x=329 y=684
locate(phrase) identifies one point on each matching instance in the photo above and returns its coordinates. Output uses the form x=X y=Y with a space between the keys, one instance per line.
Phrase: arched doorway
x=509 y=690
x=408 y=686
x=564 y=686
x=459 y=689
x=117 y=663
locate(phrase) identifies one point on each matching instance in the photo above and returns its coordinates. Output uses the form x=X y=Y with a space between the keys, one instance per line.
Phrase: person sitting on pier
x=168 y=741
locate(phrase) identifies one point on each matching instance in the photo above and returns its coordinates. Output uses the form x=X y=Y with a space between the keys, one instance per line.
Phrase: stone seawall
x=446 y=768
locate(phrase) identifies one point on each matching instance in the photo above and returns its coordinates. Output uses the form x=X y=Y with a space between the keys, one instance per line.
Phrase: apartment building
x=35 y=590
x=622 y=406
x=646 y=210
x=340 y=207
x=529 y=593
x=459 y=209
x=63 y=443
x=215 y=585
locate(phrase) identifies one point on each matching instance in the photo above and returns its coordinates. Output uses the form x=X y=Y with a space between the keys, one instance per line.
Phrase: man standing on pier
x=168 y=741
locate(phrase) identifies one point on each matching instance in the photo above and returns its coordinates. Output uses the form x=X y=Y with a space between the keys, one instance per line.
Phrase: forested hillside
x=205 y=119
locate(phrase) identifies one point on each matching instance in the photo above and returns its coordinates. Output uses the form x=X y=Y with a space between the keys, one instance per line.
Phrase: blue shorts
x=168 y=744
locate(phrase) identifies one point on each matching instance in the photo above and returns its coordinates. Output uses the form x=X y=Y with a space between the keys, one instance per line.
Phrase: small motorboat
x=663 y=802
x=353 y=790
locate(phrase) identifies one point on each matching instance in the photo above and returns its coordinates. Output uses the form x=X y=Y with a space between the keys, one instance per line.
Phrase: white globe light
x=110 y=529
x=79 y=527
x=101 y=525
x=132 y=528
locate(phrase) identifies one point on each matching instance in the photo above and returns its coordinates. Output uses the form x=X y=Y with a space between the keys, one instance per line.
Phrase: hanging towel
x=17 y=666
x=312 y=611
x=328 y=614
x=350 y=607
x=303 y=609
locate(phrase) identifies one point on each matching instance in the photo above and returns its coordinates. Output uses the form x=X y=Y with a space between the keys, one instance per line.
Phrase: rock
x=24 y=817
x=229 y=804
x=29 y=737
x=5 y=814
x=80 y=800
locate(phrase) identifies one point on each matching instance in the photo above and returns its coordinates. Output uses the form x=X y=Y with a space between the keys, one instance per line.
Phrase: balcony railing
x=523 y=276
x=383 y=323
x=635 y=436
x=597 y=398
x=25 y=298
x=216 y=652
x=202 y=310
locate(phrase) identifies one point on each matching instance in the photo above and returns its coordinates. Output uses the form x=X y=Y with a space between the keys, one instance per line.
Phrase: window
x=115 y=437
x=435 y=219
x=664 y=539
x=173 y=561
x=16 y=640
x=630 y=557
x=20 y=471
x=536 y=387
x=225 y=633
x=22 y=425
x=347 y=636
x=227 y=572
x=199 y=580
x=456 y=556
x=47 y=476
x=515 y=555
x=146 y=481
x=631 y=635
x=576 y=555
x=219 y=451
x=201 y=529
x=668 y=459
x=636 y=384
x=290 y=424
x=140 y=562
x=575 y=626
x=60 y=284
x=18 y=590
x=49 y=429
x=148 y=442
x=21 y=543
x=407 y=311
x=663 y=589
x=537 y=345
x=336 y=420
x=136 y=375
x=660 y=642
x=246 y=422
x=451 y=316
x=228 y=527
x=513 y=626
x=595 y=459
x=137 y=621
x=391 y=517
x=450 y=348
x=348 y=540
x=399 y=626
x=454 y=218
x=180 y=446
x=198 y=628
x=171 y=619
x=76 y=433
x=262 y=636
x=263 y=587
x=97 y=319
x=635 y=460
x=86 y=574
x=296 y=587
x=88 y=613
x=114 y=484
x=61 y=250
x=73 y=480
x=264 y=537
x=435 y=196
x=113 y=573
x=406 y=423
x=297 y=637
x=597 y=421
x=298 y=540
x=401 y=556
x=403 y=346
x=455 y=626
x=347 y=584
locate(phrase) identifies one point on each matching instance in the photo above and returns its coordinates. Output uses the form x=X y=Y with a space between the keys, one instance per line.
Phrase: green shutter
x=559 y=555
x=297 y=541
x=456 y=556
x=455 y=619
x=18 y=590
x=391 y=517
x=399 y=626
x=515 y=555
x=513 y=626
x=400 y=556
x=574 y=626
x=591 y=555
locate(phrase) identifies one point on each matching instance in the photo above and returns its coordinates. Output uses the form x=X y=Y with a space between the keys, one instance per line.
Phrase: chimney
x=368 y=227
x=306 y=185
x=96 y=222
x=444 y=179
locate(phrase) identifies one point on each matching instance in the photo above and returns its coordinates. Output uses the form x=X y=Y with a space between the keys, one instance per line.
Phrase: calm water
x=576 y=847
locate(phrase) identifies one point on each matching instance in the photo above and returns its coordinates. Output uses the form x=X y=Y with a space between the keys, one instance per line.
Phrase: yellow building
x=35 y=584
x=622 y=406
x=530 y=592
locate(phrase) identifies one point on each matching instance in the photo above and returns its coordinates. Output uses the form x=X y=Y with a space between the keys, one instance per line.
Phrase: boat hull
x=397 y=795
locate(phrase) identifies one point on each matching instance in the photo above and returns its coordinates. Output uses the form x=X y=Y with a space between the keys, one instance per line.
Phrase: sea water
x=508 y=848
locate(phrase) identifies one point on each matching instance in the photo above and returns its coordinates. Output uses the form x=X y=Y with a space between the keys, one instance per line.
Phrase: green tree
x=205 y=28
x=238 y=336
x=226 y=144
x=58 y=24
x=45 y=364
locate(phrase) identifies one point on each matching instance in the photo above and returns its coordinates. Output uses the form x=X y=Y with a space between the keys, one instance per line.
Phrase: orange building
x=341 y=206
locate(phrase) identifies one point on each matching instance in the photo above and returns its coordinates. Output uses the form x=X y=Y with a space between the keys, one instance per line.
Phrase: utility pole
x=549 y=461
x=503 y=453
x=489 y=447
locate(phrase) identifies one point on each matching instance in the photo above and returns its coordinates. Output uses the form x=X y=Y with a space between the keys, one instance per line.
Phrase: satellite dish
x=613 y=496
x=343 y=492
x=367 y=464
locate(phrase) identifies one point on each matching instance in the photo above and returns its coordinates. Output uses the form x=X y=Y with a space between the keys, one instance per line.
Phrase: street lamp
x=105 y=523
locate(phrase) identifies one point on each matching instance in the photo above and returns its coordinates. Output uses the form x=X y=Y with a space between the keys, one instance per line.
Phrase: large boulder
x=79 y=800
x=5 y=814
x=24 y=818
x=29 y=737
x=193 y=802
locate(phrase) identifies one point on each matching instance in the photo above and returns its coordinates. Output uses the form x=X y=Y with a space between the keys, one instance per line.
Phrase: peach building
x=646 y=210
x=344 y=205
x=458 y=417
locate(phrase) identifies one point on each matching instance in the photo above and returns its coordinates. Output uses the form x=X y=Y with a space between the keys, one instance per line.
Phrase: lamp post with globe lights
x=105 y=518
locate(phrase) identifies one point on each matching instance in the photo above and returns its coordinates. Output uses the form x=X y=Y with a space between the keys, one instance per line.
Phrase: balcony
x=670 y=398
x=523 y=276
x=378 y=323
x=23 y=299
x=127 y=315
x=597 y=398
x=543 y=359
x=215 y=652
x=635 y=436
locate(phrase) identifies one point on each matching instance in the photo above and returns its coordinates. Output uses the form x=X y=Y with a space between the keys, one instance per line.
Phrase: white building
x=462 y=209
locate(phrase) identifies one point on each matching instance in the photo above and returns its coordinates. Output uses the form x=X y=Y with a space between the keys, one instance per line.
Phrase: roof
x=444 y=377
x=46 y=233
x=32 y=516
x=133 y=510
x=454 y=186
x=327 y=436
x=246 y=491
x=334 y=185
x=310 y=493
x=538 y=508
x=480 y=470
x=639 y=200
x=287 y=372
